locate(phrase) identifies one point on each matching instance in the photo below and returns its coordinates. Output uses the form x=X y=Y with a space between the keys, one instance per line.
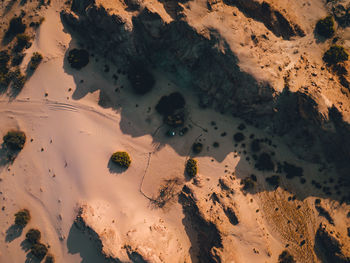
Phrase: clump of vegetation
x=325 y=27
x=191 y=167
x=39 y=250
x=255 y=145
x=49 y=259
x=15 y=140
x=273 y=180
x=264 y=162
x=292 y=170
x=238 y=137
x=17 y=78
x=335 y=54
x=122 y=159
x=16 y=26
x=23 y=41
x=4 y=59
x=22 y=218
x=285 y=257
x=197 y=147
x=33 y=236
x=167 y=105
x=141 y=79
x=35 y=61
x=78 y=58
x=247 y=183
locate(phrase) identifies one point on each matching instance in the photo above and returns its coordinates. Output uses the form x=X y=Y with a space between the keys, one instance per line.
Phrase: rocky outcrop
x=329 y=246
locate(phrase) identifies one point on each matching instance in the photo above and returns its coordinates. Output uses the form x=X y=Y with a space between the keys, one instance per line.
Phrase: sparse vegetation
x=264 y=162
x=15 y=140
x=141 y=79
x=16 y=26
x=22 y=218
x=325 y=27
x=191 y=167
x=335 y=54
x=23 y=41
x=197 y=147
x=33 y=236
x=285 y=257
x=238 y=137
x=122 y=159
x=35 y=61
x=78 y=58
x=39 y=250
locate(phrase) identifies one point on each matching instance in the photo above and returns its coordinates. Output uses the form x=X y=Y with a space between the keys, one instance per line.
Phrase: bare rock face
x=165 y=34
x=331 y=248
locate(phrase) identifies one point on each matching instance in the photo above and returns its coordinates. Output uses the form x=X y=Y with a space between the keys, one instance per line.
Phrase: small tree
x=22 y=218
x=35 y=61
x=122 y=159
x=335 y=55
x=238 y=137
x=197 y=147
x=78 y=58
x=39 y=250
x=33 y=236
x=191 y=167
x=325 y=27
x=15 y=140
x=16 y=26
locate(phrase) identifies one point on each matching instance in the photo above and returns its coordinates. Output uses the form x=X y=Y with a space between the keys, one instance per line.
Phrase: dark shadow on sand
x=13 y=232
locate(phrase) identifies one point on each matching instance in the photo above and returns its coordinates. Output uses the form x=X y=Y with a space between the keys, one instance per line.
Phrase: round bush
x=49 y=259
x=238 y=137
x=78 y=58
x=35 y=60
x=22 y=218
x=325 y=27
x=191 y=167
x=264 y=162
x=39 y=250
x=122 y=159
x=167 y=105
x=197 y=147
x=335 y=55
x=141 y=79
x=285 y=257
x=15 y=140
x=33 y=236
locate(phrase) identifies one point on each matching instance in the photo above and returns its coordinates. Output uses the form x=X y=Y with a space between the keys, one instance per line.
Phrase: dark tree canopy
x=122 y=159
x=78 y=58
x=335 y=55
x=15 y=140
x=16 y=26
x=167 y=105
x=325 y=27
x=141 y=79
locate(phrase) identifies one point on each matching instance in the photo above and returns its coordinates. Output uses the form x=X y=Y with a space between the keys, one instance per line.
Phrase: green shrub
x=49 y=259
x=78 y=58
x=18 y=79
x=285 y=257
x=247 y=183
x=16 y=26
x=335 y=55
x=22 y=218
x=191 y=167
x=238 y=137
x=122 y=159
x=264 y=162
x=15 y=140
x=33 y=236
x=197 y=147
x=167 y=105
x=35 y=61
x=39 y=250
x=325 y=27
x=22 y=42
x=141 y=79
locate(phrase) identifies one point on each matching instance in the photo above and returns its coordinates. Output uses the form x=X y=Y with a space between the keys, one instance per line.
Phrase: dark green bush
x=197 y=147
x=22 y=218
x=167 y=105
x=141 y=79
x=238 y=137
x=191 y=167
x=122 y=159
x=16 y=26
x=264 y=162
x=33 y=236
x=78 y=58
x=22 y=42
x=17 y=78
x=285 y=257
x=15 y=140
x=247 y=183
x=335 y=55
x=4 y=59
x=4 y=80
x=49 y=259
x=325 y=27
x=35 y=61
x=39 y=250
